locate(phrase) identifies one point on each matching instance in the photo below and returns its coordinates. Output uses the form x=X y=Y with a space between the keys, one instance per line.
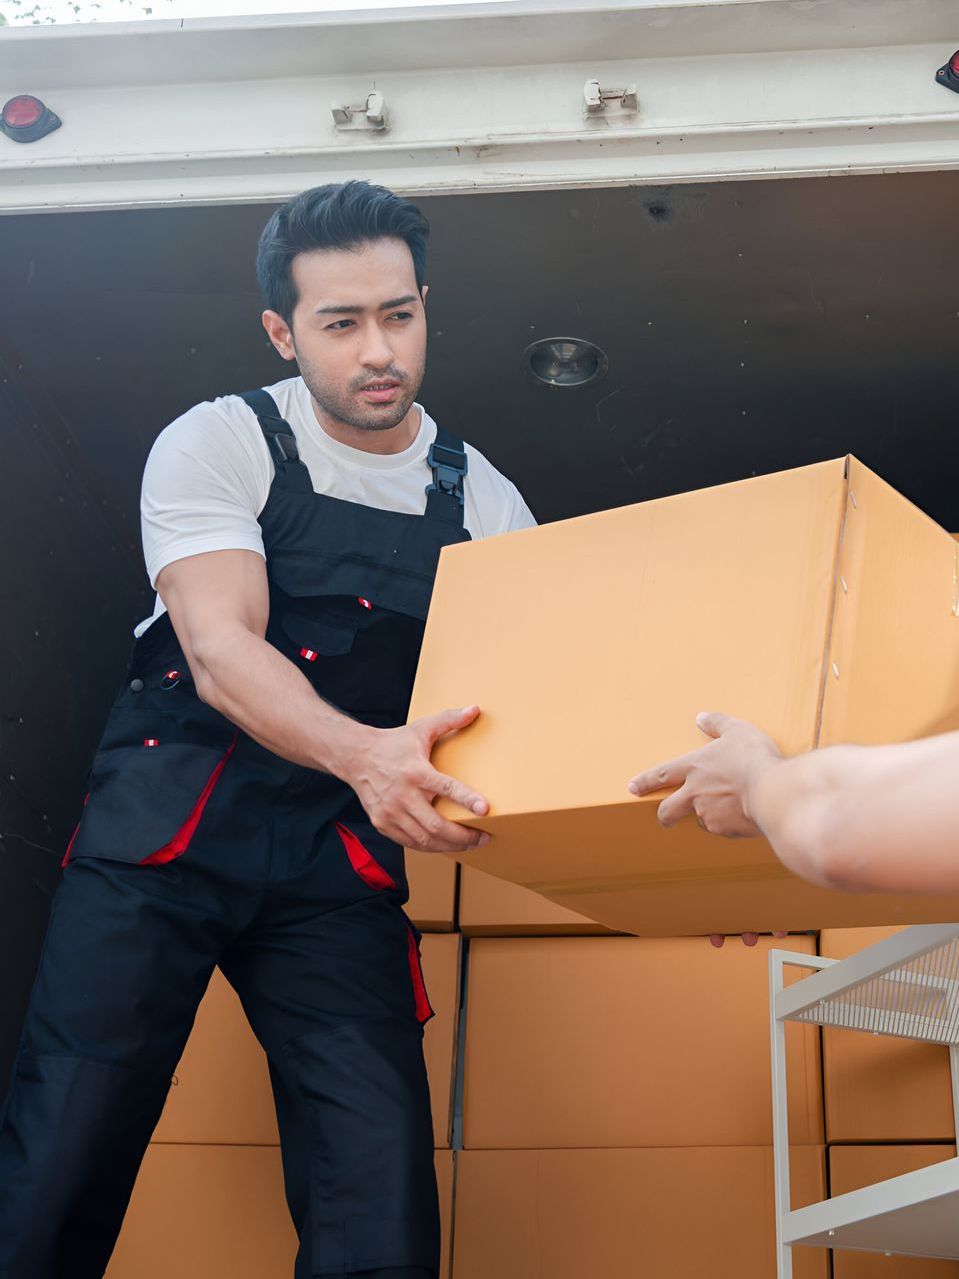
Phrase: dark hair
x=337 y=216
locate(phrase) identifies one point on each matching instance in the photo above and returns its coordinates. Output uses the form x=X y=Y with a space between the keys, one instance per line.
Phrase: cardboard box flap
x=893 y=669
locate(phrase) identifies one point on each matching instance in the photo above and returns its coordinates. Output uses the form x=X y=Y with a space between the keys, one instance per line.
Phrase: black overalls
x=197 y=847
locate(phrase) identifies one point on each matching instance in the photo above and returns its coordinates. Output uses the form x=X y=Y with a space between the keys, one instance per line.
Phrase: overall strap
x=279 y=435
x=448 y=462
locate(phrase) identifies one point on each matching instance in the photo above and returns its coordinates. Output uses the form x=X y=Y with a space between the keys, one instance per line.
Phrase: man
x=880 y=819
x=256 y=781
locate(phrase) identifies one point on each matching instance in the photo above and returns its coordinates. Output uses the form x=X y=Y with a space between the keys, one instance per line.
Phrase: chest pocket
x=328 y=636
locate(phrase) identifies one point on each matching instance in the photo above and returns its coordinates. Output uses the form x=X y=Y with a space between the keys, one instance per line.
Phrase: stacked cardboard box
x=491 y=907
x=433 y=886
x=617 y=1111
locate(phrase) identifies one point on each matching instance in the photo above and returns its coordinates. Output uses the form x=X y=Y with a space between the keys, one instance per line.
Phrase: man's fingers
x=717 y=940
x=458 y=792
x=750 y=939
x=715 y=723
x=662 y=776
x=407 y=833
x=675 y=808
x=449 y=721
x=446 y=836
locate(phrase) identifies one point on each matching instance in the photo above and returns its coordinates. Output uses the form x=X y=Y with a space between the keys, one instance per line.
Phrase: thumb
x=713 y=723
x=449 y=721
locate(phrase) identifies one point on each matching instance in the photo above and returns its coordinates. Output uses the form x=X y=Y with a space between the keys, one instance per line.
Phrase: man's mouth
x=380 y=392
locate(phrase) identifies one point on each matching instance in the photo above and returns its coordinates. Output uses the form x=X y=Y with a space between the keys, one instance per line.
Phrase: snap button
x=136 y=686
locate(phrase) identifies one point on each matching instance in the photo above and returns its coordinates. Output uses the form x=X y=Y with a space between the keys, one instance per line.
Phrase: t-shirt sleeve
x=203 y=487
x=517 y=514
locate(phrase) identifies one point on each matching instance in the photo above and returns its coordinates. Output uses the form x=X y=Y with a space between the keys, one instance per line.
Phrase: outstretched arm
x=864 y=819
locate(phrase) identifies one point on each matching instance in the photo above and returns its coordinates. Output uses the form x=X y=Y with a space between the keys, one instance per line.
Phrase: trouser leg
x=124 y=964
x=331 y=996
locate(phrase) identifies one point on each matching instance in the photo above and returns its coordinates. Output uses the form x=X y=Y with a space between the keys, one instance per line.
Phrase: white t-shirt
x=209 y=473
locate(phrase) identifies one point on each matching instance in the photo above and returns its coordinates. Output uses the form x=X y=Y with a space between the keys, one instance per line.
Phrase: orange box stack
x=604 y=1107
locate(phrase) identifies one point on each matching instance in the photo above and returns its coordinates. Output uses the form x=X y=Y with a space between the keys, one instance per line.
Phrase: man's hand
x=397 y=784
x=715 y=781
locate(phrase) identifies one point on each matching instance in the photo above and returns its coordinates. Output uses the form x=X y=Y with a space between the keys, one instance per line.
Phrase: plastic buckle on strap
x=285 y=448
x=448 y=467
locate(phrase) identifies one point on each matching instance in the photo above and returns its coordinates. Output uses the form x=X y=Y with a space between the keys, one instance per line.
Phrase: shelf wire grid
x=916 y=999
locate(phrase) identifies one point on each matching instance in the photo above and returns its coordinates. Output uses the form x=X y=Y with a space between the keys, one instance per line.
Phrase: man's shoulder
x=499 y=503
x=223 y=422
x=478 y=462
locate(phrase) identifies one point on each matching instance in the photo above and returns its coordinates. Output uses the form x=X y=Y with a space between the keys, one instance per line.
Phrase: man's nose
x=376 y=352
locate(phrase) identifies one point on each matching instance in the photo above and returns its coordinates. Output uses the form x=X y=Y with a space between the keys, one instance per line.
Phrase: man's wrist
x=757 y=789
x=346 y=747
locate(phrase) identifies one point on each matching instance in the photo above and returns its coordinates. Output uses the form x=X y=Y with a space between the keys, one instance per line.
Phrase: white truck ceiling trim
x=212 y=112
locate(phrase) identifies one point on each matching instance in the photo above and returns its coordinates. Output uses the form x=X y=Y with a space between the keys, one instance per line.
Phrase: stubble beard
x=341 y=404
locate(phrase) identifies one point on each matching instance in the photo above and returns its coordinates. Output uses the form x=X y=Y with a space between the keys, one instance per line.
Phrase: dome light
x=565 y=362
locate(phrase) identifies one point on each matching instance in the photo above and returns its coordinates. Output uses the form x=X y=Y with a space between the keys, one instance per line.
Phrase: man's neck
x=395 y=440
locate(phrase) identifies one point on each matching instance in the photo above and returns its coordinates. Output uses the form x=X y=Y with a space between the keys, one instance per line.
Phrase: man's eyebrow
x=347 y=309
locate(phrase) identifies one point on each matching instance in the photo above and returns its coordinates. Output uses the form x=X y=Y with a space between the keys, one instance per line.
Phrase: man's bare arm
x=866 y=818
x=219 y=607
x=860 y=818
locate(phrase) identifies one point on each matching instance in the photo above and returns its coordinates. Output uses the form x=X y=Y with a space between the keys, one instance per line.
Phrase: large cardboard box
x=605 y=1214
x=441 y=969
x=851 y=1168
x=617 y=1041
x=818 y=603
x=491 y=907
x=206 y=1212
x=201 y=1211
x=222 y=1047
x=432 y=881
x=878 y=1088
x=220 y=1091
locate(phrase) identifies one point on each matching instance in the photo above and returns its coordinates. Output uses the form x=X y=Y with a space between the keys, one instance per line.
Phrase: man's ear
x=278 y=331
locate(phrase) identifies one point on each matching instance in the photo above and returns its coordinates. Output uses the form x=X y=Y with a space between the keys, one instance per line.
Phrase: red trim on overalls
x=363 y=861
x=424 y=1010
x=76 y=832
x=181 y=840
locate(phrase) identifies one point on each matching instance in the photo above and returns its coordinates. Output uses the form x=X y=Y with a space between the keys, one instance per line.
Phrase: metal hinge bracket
x=597 y=98
x=370 y=117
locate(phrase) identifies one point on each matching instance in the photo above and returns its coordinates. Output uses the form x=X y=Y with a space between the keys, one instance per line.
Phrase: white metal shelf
x=915 y=1215
x=906 y=986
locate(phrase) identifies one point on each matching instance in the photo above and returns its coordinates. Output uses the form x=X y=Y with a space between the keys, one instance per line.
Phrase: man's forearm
x=258 y=689
x=879 y=819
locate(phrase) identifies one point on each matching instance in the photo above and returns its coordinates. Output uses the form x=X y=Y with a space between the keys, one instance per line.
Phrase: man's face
x=358 y=332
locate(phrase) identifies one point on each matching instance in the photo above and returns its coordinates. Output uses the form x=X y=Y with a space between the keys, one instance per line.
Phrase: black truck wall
x=749 y=326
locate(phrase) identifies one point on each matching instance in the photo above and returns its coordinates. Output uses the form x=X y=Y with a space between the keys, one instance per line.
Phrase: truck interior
x=749 y=327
